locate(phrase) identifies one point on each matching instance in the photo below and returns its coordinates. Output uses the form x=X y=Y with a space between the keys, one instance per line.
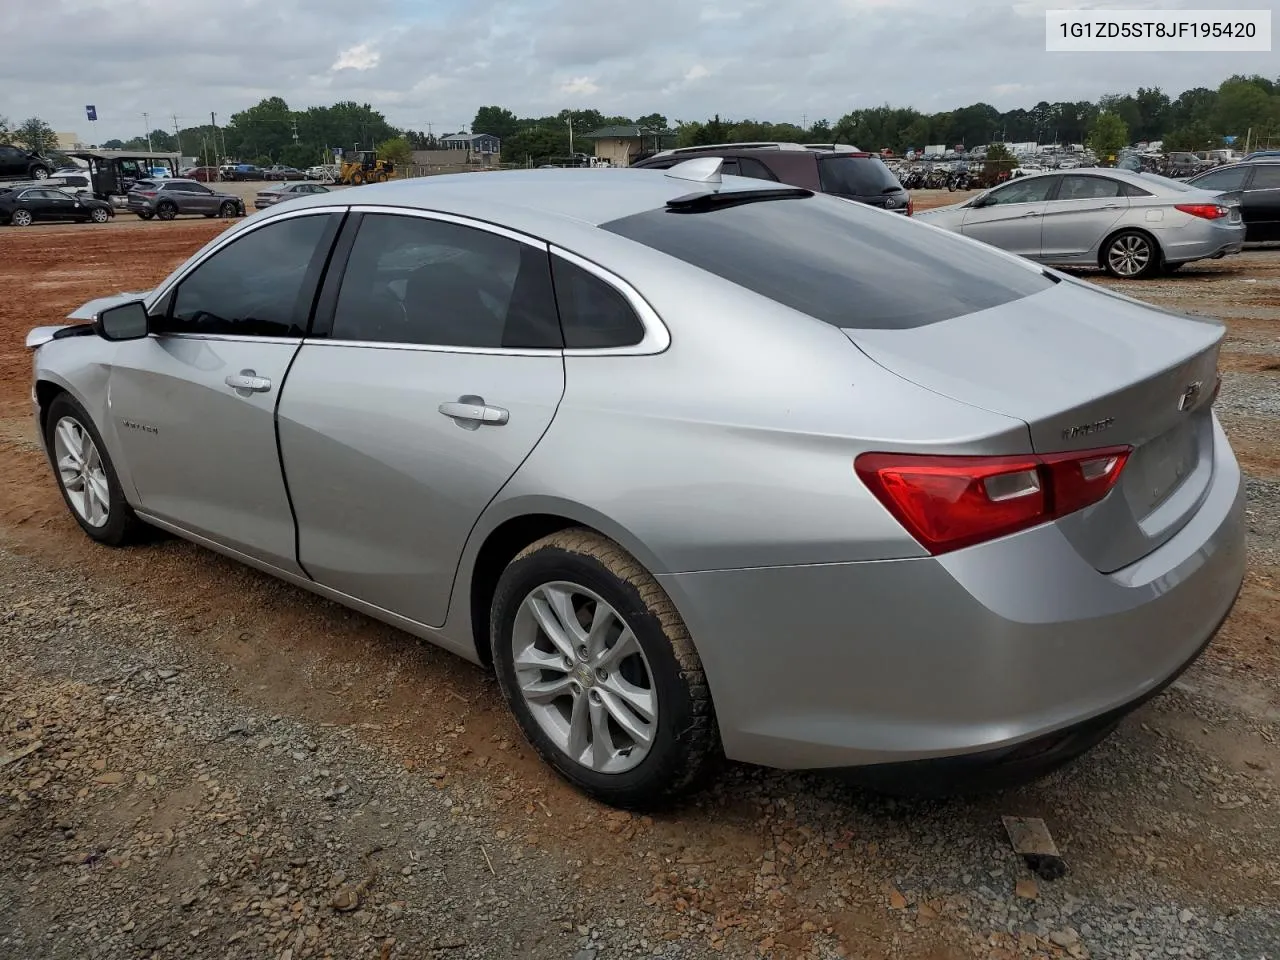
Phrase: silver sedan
x=700 y=467
x=1129 y=224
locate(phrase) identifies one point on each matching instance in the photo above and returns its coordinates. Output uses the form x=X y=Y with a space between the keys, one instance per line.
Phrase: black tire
x=98 y=215
x=228 y=209
x=122 y=526
x=1131 y=255
x=145 y=214
x=686 y=745
x=166 y=210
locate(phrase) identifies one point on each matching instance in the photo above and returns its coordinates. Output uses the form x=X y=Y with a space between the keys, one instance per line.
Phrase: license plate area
x=1160 y=466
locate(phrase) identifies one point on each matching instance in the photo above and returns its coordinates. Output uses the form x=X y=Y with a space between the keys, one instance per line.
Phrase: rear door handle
x=247 y=381
x=1032 y=213
x=471 y=412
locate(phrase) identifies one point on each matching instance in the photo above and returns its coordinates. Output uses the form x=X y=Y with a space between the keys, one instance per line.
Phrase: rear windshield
x=848 y=265
x=857 y=176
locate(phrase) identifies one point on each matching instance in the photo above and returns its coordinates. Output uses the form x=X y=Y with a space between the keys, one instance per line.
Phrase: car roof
x=540 y=202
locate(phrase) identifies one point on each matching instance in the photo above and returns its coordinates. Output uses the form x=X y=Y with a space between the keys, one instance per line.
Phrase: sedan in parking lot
x=1129 y=224
x=23 y=206
x=286 y=191
x=699 y=466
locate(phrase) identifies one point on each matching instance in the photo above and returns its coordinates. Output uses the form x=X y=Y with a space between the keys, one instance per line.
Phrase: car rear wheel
x=40 y=173
x=98 y=215
x=228 y=209
x=21 y=218
x=166 y=211
x=600 y=672
x=1131 y=255
x=86 y=476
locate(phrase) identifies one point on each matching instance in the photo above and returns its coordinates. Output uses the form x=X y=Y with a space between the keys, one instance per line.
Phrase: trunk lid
x=1084 y=367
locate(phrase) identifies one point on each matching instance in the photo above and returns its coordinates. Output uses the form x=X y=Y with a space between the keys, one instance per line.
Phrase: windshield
x=840 y=262
x=857 y=176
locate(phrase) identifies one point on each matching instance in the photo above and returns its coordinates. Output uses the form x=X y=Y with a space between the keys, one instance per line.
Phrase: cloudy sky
x=435 y=61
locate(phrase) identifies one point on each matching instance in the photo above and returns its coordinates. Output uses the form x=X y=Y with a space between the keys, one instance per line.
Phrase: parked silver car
x=286 y=191
x=1130 y=224
x=699 y=467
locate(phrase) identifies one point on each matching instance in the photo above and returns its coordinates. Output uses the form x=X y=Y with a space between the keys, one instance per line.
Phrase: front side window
x=839 y=262
x=413 y=280
x=1031 y=190
x=259 y=285
x=1089 y=188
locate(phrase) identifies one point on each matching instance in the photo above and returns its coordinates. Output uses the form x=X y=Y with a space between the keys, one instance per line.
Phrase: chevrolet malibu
x=698 y=466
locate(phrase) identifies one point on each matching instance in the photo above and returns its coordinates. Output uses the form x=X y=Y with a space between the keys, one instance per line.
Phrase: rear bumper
x=1209 y=241
x=840 y=665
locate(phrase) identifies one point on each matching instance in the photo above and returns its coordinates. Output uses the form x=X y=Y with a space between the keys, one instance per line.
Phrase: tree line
x=271 y=132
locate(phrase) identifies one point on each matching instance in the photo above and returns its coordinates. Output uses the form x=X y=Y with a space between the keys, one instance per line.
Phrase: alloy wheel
x=81 y=472
x=21 y=218
x=1129 y=255
x=99 y=215
x=585 y=677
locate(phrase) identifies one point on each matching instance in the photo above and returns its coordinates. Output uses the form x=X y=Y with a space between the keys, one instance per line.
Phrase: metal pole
x=146 y=122
x=177 y=139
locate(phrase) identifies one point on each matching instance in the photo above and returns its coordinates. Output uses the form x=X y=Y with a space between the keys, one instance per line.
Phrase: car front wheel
x=86 y=476
x=21 y=218
x=166 y=211
x=98 y=215
x=228 y=209
x=600 y=672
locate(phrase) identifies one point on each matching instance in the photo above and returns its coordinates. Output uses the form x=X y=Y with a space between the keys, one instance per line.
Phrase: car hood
x=91 y=309
x=933 y=211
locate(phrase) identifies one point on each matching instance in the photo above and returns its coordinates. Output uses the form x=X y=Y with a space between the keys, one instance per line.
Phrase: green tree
x=1108 y=136
x=398 y=150
x=113 y=145
x=35 y=134
x=498 y=121
x=5 y=131
x=998 y=152
x=1197 y=135
x=538 y=144
x=652 y=121
x=1243 y=104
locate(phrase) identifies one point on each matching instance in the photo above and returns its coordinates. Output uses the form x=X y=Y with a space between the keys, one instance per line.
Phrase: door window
x=260 y=285
x=593 y=313
x=1089 y=188
x=1031 y=190
x=1231 y=178
x=418 y=281
x=1266 y=176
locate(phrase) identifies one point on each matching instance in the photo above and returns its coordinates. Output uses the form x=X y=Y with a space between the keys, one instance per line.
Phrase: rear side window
x=856 y=176
x=1266 y=176
x=593 y=314
x=836 y=261
x=1231 y=178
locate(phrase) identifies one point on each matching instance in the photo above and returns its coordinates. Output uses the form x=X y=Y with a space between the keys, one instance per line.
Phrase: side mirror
x=125 y=321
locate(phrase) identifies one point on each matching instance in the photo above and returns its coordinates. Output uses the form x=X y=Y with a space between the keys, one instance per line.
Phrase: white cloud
x=360 y=57
x=580 y=86
x=420 y=63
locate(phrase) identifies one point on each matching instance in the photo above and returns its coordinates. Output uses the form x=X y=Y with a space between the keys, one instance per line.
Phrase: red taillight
x=949 y=502
x=1209 y=211
x=147 y=193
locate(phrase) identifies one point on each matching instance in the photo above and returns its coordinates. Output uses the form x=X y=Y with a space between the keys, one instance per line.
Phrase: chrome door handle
x=248 y=381
x=1111 y=206
x=1032 y=213
x=471 y=412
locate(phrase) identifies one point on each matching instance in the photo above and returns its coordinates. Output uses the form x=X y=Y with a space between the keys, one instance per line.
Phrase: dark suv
x=841 y=171
x=16 y=162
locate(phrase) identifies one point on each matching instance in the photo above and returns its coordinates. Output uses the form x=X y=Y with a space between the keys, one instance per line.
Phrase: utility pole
x=177 y=138
x=295 y=131
x=146 y=122
x=213 y=121
x=569 y=122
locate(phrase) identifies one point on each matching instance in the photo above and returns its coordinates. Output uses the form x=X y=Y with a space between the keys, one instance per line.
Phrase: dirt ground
x=198 y=761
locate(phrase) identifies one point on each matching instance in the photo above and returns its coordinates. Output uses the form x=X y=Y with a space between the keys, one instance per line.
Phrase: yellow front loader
x=363 y=166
